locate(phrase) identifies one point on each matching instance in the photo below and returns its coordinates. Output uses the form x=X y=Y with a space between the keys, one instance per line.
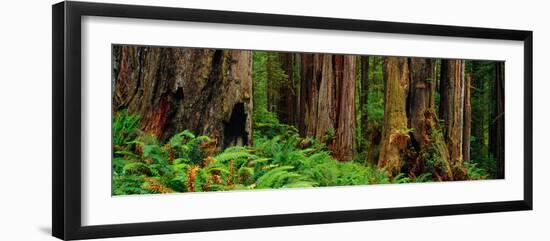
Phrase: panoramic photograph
x=201 y=120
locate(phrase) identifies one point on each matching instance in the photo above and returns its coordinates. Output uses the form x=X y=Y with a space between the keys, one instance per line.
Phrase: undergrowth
x=279 y=158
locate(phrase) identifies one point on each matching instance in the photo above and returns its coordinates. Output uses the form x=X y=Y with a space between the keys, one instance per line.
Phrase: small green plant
x=330 y=134
x=267 y=126
x=435 y=160
x=124 y=125
x=474 y=172
x=424 y=177
x=401 y=178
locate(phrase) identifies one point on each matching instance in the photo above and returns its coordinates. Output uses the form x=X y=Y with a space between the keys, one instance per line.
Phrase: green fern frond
x=227 y=156
x=424 y=177
x=276 y=177
x=136 y=168
x=401 y=178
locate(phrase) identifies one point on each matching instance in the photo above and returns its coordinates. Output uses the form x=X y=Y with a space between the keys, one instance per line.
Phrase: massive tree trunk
x=451 y=111
x=467 y=119
x=498 y=119
x=327 y=101
x=286 y=110
x=395 y=136
x=204 y=90
x=308 y=94
x=345 y=68
x=363 y=102
x=427 y=137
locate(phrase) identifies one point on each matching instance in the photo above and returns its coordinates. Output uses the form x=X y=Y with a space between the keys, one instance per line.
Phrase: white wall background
x=25 y=120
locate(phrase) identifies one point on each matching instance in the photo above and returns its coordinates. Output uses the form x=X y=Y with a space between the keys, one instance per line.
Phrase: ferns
x=474 y=172
x=181 y=165
x=226 y=156
x=424 y=177
x=401 y=178
x=276 y=177
x=124 y=125
x=136 y=168
x=190 y=163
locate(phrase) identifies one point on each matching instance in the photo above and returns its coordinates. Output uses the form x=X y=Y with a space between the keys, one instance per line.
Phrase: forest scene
x=198 y=120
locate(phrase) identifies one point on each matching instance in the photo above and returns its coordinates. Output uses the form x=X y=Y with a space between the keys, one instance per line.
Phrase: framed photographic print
x=170 y=120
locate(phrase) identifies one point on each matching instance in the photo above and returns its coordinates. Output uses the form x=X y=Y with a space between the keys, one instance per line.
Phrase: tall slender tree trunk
x=363 y=102
x=451 y=111
x=270 y=83
x=395 y=136
x=309 y=76
x=498 y=119
x=327 y=97
x=288 y=97
x=427 y=137
x=174 y=89
x=345 y=68
x=467 y=119
x=434 y=83
x=297 y=83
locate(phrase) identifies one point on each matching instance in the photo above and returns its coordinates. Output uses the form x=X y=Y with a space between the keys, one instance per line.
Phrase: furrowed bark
x=288 y=94
x=395 y=136
x=327 y=101
x=431 y=153
x=451 y=111
x=203 y=90
x=467 y=133
x=345 y=69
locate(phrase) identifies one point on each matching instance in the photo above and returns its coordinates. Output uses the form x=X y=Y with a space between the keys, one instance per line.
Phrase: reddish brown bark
x=204 y=90
x=287 y=107
x=345 y=112
x=467 y=133
x=327 y=97
x=451 y=111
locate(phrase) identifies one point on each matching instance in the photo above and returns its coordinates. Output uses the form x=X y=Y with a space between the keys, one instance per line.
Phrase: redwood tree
x=451 y=110
x=327 y=101
x=288 y=97
x=395 y=136
x=173 y=89
x=270 y=83
x=427 y=138
x=467 y=131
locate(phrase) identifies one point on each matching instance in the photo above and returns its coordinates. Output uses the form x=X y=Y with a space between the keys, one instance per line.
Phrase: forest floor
x=279 y=158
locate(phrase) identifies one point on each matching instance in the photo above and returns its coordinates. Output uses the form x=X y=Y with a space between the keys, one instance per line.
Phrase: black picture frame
x=66 y=58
